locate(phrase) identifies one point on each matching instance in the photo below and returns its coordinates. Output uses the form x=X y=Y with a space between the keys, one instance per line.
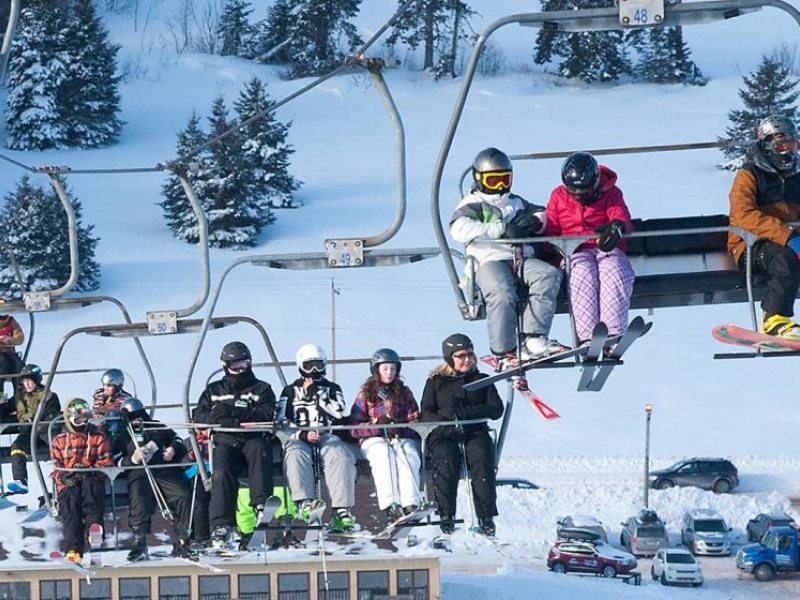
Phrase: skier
x=111 y=395
x=141 y=444
x=764 y=199
x=393 y=454
x=449 y=447
x=24 y=406
x=491 y=212
x=200 y=536
x=238 y=398
x=80 y=490
x=11 y=335
x=600 y=276
x=312 y=401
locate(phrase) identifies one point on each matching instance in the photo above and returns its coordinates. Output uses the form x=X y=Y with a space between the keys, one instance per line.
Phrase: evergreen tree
x=62 y=83
x=266 y=151
x=177 y=210
x=271 y=40
x=234 y=27
x=89 y=100
x=37 y=231
x=35 y=75
x=770 y=90
x=664 y=57
x=436 y=25
x=587 y=55
x=315 y=37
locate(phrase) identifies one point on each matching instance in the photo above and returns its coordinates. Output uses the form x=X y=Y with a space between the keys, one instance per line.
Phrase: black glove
x=524 y=224
x=231 y=422
x=515 y=232
x=220 y=410
x=610 y=235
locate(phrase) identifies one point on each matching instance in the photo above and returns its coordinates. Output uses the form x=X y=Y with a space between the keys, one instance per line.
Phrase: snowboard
x=738 y=336
x=259 y=536
x=403 y=522
x=613 y=350
x=95 y=544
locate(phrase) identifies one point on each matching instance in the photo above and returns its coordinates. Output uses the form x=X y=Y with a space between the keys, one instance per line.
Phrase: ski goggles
x=238 y=366
x=314 y=366
x=782 y=144
x=495 y=180
x=79 y=413
x=581 y=194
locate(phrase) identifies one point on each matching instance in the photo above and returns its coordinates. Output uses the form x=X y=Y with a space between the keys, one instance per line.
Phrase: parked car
x=676 y=565
x=717 y=474
x=644 y=534
x=517 y=483
x=758 y=525
x=587 y=557
x=583 y=522
x=704 y=531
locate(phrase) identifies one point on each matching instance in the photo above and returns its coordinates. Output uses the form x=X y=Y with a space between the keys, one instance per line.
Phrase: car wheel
x=653 y=575
x=609 y=572
x=763 y=572
x=723 y=486
x=697 y=584
x=665 y=484
x=559 y=568
x=664 y=579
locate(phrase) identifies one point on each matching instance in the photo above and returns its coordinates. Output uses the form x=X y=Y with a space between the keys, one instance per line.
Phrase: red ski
x=738 y=336
x=548 y=414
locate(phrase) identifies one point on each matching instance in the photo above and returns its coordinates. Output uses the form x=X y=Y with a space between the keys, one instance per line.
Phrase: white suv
x=704 y=531
x=676 y=565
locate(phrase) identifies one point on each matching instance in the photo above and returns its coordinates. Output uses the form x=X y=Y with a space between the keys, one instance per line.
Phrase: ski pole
x=392 y=465
x=159 y=496
x=467 y=479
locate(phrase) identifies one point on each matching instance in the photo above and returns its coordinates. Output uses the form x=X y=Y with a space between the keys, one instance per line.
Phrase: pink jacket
x=566 y=216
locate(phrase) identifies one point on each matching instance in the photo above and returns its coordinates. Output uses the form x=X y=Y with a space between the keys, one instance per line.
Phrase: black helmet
x=384 y=355
x=581 y=176
x=114 y=377
x=492 y=172
x=236 y=358
x=132 y=409
x=31 y=371
x=777 y=137
x=452 y=344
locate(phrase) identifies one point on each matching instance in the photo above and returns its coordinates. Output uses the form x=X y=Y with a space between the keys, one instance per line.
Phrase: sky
x=591 y=459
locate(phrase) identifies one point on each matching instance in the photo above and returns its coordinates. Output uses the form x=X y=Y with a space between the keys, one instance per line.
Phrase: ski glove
x=610 y=235
x=524 y=224
x=144 y=453
x=794 y=244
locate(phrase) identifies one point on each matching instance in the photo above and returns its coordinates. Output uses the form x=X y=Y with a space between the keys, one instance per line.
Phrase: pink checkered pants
x=600 y=287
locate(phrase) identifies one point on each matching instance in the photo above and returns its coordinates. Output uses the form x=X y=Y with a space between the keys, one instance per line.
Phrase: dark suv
x=717 y=474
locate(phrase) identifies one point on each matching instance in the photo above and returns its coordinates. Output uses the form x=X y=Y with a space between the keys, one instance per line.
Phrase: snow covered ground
x=591 y=460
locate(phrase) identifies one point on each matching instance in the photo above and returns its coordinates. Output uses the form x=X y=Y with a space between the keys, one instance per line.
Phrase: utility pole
x=648 y=409
x=334 y=293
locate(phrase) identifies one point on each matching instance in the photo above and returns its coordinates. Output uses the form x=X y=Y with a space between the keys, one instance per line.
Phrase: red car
x=587 y=557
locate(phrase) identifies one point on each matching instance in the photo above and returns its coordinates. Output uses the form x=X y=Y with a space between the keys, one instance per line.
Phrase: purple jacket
x=404 y=409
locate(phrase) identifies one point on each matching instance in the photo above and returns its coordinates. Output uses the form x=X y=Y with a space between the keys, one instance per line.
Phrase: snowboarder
x=11 y=335
x=600 y=276
x=80 y=489
x=144 y=444
x=238 y=398
x=764 y=199
x=312 y=402
x=450 y=447
x=393 y=453
x=23 y=407
x=491 y=212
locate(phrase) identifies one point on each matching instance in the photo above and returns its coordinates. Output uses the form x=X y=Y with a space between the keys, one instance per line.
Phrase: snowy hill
x=590 y=460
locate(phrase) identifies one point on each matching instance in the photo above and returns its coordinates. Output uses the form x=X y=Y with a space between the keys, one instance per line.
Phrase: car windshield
x=650 y=531
x=680 y=558
x=710 y=526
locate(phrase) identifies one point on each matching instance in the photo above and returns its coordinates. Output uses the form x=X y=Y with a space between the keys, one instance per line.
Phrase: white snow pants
x=395 y=469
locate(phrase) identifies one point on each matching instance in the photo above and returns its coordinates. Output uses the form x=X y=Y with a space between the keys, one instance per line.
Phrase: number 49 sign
x=641 y=12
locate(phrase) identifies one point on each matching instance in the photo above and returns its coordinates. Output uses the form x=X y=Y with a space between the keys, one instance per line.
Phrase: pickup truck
x=777 y=552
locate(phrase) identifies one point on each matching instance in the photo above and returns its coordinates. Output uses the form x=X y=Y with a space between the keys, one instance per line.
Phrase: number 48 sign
x=641 y=12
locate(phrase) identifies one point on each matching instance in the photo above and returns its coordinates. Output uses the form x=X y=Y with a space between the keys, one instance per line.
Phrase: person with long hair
x=392 y=452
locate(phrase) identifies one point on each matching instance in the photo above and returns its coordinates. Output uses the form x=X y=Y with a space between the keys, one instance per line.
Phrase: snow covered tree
x=234 y=27
x=62 y=83
x=36 y=230
x=587 y=55
x=266 y=151
x=664 y=57
x=313 y=35
x=89 y=100
x=35 y=75
x=437 y=26
x=770 y=90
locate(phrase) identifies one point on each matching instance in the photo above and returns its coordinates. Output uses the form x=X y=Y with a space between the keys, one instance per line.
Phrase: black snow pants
x=175 y=489
x=255 y=454
x=80 y=504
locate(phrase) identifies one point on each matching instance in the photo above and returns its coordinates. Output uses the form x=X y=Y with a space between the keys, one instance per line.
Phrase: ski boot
x=342 y=520
x=139 y=551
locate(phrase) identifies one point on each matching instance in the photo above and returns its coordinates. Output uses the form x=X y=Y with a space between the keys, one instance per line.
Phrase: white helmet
x=311 y=360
